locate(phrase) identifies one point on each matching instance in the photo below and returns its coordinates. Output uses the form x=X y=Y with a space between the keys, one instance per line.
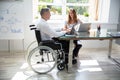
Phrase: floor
x=93 y=64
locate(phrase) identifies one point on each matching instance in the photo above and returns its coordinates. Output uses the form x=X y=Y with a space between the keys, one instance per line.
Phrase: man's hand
x=68 y=30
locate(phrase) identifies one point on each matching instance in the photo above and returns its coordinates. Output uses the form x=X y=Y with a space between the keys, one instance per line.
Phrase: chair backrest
x=37 y=33
x=38 y=36
x=49 y=43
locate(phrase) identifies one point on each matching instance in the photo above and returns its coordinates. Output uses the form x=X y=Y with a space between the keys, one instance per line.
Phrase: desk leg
x=70 y=56
x=109 y=54
x=110 y=48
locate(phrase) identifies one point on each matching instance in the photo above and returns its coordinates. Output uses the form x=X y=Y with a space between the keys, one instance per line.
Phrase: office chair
x=46 y=55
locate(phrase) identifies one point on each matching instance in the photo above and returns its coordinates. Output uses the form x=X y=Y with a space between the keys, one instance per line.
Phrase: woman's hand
x=68 y=30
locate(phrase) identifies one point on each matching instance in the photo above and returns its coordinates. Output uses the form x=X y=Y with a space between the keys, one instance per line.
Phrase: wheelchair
x=46 y=55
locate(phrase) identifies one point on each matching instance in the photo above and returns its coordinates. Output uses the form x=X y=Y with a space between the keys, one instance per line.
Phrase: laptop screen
x=84 y=27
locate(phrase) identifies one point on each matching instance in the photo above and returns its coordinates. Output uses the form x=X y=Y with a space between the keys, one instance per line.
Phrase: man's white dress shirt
x=47 y=33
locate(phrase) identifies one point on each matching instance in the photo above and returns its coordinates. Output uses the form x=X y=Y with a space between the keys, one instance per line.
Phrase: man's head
x=45 y=13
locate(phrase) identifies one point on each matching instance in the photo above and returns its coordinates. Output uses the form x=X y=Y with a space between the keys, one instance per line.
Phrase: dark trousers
x=76 y=48
x=65 y=46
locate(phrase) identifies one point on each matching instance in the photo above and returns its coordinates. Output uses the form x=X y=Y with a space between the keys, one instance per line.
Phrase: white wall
x=29 y=35
x=114 y=11
x=26 y=13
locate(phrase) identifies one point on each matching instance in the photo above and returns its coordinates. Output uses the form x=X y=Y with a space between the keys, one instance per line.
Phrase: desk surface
x=92 y=34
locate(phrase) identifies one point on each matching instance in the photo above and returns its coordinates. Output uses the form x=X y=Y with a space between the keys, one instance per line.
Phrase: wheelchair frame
x=42 y=59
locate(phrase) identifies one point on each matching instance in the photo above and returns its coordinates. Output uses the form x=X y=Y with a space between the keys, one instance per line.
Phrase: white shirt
x=70 y=27
x=47 y=33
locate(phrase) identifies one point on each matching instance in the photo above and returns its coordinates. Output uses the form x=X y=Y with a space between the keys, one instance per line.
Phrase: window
x=55 y=10
x=78 y=1
x=47 y=1
x=59 y=8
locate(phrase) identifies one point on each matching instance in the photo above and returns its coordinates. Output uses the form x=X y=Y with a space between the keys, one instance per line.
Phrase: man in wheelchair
x=47 y=33
x=48 y=37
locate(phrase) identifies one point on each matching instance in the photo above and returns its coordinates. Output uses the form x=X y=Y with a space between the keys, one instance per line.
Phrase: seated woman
x=73 y=20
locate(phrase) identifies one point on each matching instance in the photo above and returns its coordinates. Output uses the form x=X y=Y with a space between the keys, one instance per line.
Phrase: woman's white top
x=72 y=25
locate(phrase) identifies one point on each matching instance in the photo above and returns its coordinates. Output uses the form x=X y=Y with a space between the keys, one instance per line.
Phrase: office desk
x=91 y=35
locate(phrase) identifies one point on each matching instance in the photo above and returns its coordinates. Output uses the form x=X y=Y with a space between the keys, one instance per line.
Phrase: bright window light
x=25 y=65
x=90 y=69
x=89 y=63
x=86 y=65
x=19 y=76
x=60 y=7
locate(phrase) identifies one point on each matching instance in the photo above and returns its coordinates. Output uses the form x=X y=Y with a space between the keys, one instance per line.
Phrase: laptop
x=79 y=28
x=84 y=27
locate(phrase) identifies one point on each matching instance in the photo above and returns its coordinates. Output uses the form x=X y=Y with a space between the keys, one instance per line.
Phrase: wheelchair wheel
x=42 y=59
x=61 y=66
